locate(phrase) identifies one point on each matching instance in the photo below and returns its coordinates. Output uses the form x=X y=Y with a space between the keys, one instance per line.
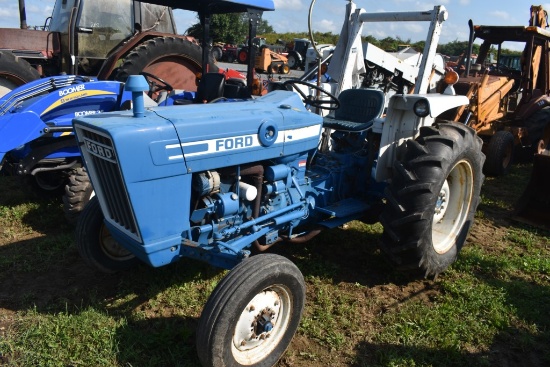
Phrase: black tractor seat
x=358 y=109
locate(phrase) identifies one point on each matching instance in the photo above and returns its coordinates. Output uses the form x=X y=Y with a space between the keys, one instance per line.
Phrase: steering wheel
x=153 y=86
x=324 y=104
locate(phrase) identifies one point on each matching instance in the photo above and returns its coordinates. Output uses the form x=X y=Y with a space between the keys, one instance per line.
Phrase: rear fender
x=402 y=124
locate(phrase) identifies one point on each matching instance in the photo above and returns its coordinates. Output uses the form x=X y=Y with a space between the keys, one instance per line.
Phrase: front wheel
x=432 y=198
x=500 y=154
x=252 y=315
x=95 y=244
x=78 y=192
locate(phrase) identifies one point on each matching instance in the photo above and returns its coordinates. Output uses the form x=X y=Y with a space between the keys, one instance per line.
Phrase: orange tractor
x=510 y=106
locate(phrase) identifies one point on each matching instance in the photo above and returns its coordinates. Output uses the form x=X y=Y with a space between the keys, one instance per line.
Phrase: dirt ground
x=69 y=280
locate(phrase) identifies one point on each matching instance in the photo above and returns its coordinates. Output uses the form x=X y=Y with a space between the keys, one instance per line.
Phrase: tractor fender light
x=421 y=108
x=451 y=77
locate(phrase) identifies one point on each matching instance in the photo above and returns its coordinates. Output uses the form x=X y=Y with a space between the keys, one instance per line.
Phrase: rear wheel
x=252 y=315
x=95 y=244
x=176 y=60
x=432 y=198
x=14 y=72
x=217 y=53
x=292 y=61
x=500 y=154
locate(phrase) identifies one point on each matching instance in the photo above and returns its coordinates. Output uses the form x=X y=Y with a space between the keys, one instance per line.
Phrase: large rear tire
x=14 y=72
x=95 y=244
x=252 y=315
x=176 y=60
x=432 y=198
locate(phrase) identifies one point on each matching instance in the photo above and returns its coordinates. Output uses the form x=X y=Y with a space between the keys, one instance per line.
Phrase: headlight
x=422 y=108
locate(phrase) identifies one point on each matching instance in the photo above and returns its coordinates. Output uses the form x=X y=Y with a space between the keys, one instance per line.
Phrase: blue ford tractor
x=38 y=143
x=223 y=182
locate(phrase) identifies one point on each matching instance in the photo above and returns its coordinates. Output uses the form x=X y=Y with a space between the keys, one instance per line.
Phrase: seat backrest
x=360 y=105
x=210 y=87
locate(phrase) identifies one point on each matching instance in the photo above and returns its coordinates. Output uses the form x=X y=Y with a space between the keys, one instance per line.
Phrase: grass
x=489 y=309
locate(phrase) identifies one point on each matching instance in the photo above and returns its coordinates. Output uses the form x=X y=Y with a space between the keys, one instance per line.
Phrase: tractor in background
x=509 y=106
x=223 y=182
x=297 y=53
x=100 y=38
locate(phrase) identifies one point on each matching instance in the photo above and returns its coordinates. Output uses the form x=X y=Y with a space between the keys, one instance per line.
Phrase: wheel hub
x=111 y=248
x=452 y=207
x=441 y=204
x=257 y=321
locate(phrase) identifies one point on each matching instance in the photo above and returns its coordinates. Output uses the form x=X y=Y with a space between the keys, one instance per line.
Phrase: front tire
x=500 y=154
x=432 y=198
x=95 y=244
x=78 y=193
x=252 y=315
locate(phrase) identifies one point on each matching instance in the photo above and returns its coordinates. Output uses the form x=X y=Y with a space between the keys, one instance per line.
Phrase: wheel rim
x=291 y=61
x=242 y=56
x=262 y=325
x=111 y=248
x=452 y=207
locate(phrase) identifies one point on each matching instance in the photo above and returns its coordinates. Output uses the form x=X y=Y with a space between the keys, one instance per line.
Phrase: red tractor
x=102 y=38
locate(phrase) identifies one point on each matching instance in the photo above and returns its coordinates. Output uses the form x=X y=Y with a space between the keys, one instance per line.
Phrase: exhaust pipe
x=22 y=15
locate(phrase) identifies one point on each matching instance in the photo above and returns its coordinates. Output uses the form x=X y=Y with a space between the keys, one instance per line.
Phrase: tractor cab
x=90 y=30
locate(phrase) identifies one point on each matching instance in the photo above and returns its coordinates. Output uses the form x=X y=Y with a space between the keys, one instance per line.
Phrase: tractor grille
x=103 y=167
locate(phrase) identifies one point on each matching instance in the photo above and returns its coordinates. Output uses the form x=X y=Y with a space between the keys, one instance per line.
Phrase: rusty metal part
x=31 y=43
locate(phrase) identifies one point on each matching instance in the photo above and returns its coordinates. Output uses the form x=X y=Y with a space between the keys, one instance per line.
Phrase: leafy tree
x=228 y=28
x=456 y=48
x=264 y=27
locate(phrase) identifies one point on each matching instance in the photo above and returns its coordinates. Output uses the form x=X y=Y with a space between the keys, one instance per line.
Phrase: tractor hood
x=146 y=161
x=204 y=136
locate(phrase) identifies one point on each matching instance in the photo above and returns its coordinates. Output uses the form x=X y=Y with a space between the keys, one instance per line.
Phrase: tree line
x=233 y=29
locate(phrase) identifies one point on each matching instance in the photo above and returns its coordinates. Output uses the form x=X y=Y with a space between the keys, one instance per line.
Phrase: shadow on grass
x=162 y=341
x=521 y=342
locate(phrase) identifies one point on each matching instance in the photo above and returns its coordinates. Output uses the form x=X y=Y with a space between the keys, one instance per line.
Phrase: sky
x=328 y=16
